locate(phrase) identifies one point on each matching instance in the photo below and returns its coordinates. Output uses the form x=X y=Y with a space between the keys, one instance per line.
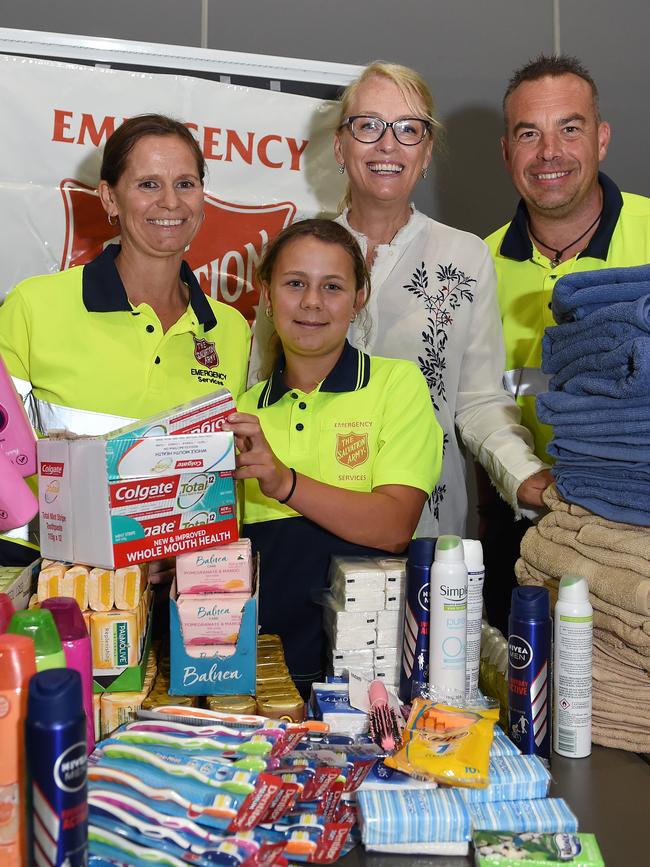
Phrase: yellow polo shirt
x=525 y=282
x=90 y=357
x=369 y=423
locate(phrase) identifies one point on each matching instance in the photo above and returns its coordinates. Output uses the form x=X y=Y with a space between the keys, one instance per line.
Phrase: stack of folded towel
x=598 y=357
x=615 y=559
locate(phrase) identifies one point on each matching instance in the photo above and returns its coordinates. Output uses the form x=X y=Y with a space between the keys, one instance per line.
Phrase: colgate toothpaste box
x=138 y=494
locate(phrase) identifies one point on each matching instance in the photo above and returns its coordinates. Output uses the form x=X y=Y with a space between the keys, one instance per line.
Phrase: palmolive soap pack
x=156 y=488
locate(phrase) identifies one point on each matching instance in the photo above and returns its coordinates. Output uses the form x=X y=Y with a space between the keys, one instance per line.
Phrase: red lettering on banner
x=96 y=136
x=262 y=151
x=210 y=141
x=61 y=125
x=296 y=152
x=244 y=151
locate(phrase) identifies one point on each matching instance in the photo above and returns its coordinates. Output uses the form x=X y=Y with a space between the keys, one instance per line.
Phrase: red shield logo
x=205 y=353
x=351 y=449
x=223 y=255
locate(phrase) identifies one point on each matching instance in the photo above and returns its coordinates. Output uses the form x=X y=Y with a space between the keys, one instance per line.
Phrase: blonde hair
x=413 y=88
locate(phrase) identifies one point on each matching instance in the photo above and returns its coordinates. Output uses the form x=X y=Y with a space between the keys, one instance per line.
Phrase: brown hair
x=545 y=65
x=413 y=88
x=323 y=230
x=127 y=135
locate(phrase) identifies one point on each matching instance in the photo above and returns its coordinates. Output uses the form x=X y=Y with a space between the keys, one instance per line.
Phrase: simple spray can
x=475 y=576
x=55 y=745
x=414 y=671
x=529 y=671
x=448 y=624
x=78 y=654
x=17 y=666
x=574 y=620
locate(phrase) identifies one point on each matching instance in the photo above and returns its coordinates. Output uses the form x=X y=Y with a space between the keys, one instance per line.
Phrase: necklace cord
x=558 y=253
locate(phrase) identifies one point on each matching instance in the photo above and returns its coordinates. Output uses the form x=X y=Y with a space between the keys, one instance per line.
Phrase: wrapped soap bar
x=75 y=585
x=512 y=778
x=50 y=580
x=409 y=815
x=115 y=639
x=101 y=589
x=129 y=586
x=227 y=569
x=213 y=619
x=541 y=815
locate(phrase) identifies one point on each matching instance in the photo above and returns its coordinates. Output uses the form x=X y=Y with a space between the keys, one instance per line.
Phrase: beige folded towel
x=633 y=629
x=620 y=652
x=617 y=585
x=617 y=738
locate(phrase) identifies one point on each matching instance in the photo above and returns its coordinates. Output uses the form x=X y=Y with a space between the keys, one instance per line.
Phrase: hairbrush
x=384 y=726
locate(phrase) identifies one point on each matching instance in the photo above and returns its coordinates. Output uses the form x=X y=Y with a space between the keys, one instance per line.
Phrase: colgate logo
x=49 y=468
x=188 y=465
x=223 y=255
x=143 y=492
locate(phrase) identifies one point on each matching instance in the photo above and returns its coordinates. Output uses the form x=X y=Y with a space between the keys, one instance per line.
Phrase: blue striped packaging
x=413 y=816
x=543 y=815
x=502 y=745
x=512 y=778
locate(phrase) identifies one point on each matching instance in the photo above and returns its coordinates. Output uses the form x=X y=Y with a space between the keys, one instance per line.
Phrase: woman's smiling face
x=384 y=171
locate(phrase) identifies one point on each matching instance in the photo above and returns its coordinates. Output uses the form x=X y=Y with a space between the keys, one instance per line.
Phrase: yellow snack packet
x=446 y=744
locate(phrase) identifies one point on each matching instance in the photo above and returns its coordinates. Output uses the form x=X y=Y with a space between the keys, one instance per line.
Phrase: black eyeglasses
x=367 y=129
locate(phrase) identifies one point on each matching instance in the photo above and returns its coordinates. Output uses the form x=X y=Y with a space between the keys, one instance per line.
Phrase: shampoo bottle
x=448 y=620
x=38 y=624
x=574 y=618
x=17 y=665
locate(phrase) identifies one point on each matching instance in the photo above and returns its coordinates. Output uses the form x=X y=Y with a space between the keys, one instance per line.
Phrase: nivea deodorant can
x=414 y=671
x=529 y=671
x=55 y=748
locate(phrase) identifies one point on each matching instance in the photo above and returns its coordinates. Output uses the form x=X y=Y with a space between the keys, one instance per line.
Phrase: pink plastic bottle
x=17 y=438
x=18 y=505
x=78 y=654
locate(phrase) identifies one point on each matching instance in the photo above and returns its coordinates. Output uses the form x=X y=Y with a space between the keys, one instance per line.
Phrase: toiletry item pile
x=213 y=586
x=114 y=603
x=364 y=614
x=221 y=789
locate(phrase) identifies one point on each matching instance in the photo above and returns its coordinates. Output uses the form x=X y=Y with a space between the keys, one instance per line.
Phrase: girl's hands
x=256 y=459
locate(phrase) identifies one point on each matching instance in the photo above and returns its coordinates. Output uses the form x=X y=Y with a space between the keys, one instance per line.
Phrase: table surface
x=610 y=794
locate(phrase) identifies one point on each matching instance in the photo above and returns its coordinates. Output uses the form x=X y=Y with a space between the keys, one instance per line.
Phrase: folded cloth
x=608 y=535
x=621 y=373
x=616 y=584
x=607 y=617
x=542 y=815
x=599 y=332
x=565 y=448
x=557 y=406
x=419 y=848
x=617 y=738
x=578 y=295
x=622 y=499
x=619 y=651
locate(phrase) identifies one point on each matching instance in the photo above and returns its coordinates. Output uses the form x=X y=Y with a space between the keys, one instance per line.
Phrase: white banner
x=269 y=158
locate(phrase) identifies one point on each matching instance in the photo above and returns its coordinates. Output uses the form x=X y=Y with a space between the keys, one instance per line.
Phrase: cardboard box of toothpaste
x=139 y=494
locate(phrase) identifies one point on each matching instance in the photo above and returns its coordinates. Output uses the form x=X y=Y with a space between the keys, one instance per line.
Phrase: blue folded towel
x=567 y=447
x=577 y=295
x=613 y=427
x=599 y=332
x=622 y=372
x=629 y=503
x=554 y=407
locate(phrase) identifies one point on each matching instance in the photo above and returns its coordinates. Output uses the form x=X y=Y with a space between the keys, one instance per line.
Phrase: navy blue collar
x=104 y=292
x=350 y=373
x=517 y=245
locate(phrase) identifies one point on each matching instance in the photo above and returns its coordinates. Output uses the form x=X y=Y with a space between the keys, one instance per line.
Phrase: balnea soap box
x=143 y=492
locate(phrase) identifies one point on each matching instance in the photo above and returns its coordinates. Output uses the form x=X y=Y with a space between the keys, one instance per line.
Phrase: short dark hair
x=322 y=230
x=120 y=144
x=553 y=65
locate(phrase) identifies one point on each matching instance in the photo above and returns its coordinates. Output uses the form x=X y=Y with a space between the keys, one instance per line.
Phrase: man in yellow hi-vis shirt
x=570 y=218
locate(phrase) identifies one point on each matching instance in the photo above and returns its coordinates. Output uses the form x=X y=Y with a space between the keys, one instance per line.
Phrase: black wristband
x=292 y=488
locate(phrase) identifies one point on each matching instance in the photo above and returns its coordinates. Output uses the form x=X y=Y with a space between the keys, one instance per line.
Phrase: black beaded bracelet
x=292 y=488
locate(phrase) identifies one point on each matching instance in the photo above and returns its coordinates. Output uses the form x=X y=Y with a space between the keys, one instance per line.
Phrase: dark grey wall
x=466 y=49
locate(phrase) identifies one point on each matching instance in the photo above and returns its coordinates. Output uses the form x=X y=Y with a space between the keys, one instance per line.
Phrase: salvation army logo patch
x=205 y=353
x=352 y=449
x=223 y=255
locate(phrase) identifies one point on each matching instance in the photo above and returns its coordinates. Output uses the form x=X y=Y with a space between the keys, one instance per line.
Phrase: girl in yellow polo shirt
x=339 y=450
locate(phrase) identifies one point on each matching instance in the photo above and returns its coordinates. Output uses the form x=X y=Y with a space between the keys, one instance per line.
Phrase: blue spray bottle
x=414 y=672
x=55 y=748
x=529 y=671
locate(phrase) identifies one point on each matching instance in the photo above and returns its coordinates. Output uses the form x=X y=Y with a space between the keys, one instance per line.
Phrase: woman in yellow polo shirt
x=131 y=333
x=338 y=450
